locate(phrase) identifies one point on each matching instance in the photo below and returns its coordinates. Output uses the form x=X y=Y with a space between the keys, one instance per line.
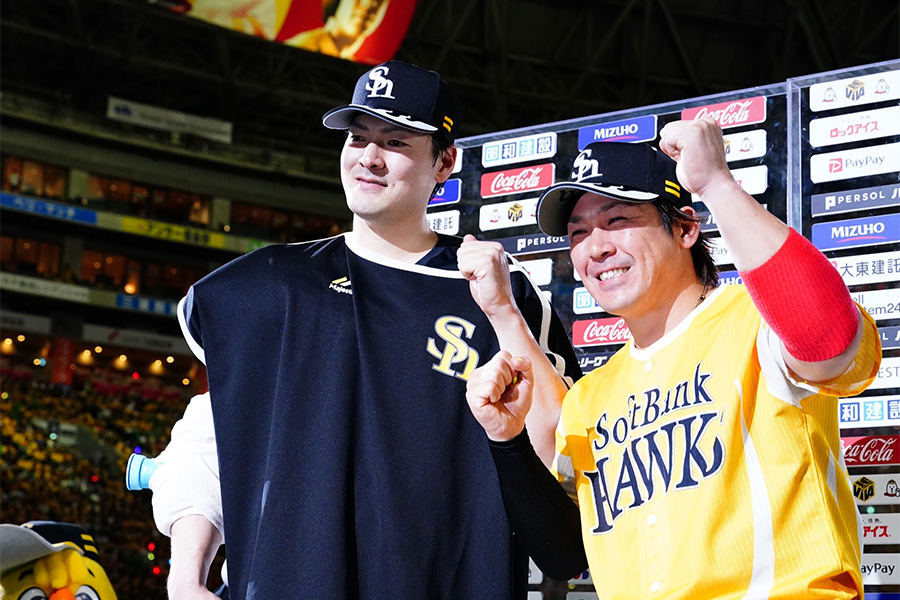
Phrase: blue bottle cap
x=138 y=472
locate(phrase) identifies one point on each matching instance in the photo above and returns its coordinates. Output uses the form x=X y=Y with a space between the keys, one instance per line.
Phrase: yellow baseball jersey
x=704 y=469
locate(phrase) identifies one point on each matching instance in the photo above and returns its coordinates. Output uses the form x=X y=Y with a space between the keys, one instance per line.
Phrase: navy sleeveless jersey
x=350 y=464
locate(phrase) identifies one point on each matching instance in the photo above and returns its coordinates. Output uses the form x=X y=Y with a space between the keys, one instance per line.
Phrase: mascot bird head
x=46 y=560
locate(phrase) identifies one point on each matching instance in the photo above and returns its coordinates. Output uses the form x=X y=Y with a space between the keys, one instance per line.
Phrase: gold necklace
x=702 y=296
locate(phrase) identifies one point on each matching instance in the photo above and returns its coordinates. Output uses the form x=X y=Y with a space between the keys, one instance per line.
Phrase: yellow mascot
x=46 y=560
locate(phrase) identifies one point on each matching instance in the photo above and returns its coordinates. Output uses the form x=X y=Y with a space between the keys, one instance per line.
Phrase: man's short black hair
x=438 y=146
x=704 y=266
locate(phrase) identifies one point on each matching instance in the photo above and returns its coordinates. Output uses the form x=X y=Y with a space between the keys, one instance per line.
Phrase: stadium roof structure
x=514 y=63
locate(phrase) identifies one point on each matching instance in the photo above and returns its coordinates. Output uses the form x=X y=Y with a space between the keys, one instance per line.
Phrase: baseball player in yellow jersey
x=705 y=456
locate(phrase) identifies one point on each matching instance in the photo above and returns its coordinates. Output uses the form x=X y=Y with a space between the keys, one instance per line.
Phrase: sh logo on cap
x=629 y=172
x=405 y=95
x=379 y=85
x=584 y=166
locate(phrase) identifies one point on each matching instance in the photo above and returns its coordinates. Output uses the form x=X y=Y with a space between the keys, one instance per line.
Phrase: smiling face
x=388 y=173
x=627 y=260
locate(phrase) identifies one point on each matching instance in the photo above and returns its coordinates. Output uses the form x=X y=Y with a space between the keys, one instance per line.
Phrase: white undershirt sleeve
x=187 y=480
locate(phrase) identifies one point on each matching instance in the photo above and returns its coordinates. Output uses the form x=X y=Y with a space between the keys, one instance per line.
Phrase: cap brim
x=554 y=206
x=20 y=546
x=342 y=117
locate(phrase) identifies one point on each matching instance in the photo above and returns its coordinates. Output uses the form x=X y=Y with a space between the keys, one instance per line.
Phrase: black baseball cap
x=404 y=94
x=630 y=172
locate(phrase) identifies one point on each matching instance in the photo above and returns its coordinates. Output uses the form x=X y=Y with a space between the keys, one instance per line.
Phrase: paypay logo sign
x=858 y=162
x=879 y=569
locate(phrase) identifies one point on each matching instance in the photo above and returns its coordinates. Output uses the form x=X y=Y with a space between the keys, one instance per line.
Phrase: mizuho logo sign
x=637 y=129
x=869 y=231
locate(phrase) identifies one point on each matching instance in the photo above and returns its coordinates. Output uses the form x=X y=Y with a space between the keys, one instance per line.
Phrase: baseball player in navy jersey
x=334 y=453
x=705 y=455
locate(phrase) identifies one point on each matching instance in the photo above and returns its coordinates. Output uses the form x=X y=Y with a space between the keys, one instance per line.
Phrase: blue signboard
x=148 y=305
x=448 y=194
x=868 y=231
x=638 y=129
x=45 y=208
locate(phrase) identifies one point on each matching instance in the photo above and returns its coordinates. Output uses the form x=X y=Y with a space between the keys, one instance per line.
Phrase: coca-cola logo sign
x=735 y=113
x=600 y=332
x=871 y=450
x=527 y=179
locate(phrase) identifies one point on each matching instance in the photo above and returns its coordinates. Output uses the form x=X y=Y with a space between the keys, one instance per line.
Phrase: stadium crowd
x=47 y=477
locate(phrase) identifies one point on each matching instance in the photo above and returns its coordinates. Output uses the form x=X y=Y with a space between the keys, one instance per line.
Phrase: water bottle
x=138 y=472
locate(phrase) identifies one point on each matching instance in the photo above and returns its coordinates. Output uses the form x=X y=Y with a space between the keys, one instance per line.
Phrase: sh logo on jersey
x=654 y=448
x=455 y=351
x=379 y=85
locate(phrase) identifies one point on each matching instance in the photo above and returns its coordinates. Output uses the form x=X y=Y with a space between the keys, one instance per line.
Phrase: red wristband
x=802 y=297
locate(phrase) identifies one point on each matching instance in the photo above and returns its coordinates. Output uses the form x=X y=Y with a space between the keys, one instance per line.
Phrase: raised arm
x=793 y=285
x=485 y=265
